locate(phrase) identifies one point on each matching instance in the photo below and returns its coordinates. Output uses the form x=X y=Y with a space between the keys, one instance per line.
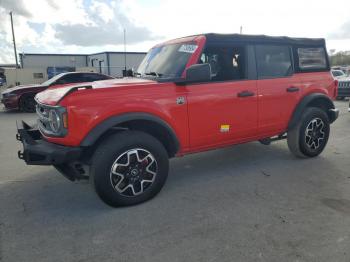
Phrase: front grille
x=344 y=84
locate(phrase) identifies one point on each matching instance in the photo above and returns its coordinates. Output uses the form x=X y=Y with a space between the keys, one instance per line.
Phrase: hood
x=21 y=87
x=53 y=95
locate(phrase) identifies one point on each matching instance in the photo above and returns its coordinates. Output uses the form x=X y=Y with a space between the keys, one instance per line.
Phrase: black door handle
x=245 y=94
x=292 y=89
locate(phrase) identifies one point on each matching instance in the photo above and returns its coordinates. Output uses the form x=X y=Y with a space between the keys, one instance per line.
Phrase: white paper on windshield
x=187 y=48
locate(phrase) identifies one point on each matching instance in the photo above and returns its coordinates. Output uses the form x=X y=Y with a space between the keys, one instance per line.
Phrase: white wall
x=96 y=58
x=44 y=61
x=116 y=61
x=117 y=64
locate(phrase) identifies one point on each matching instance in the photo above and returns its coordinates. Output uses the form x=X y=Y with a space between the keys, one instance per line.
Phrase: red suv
x=188 y=95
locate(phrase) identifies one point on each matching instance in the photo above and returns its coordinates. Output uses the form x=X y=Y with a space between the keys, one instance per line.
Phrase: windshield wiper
x=153 y=74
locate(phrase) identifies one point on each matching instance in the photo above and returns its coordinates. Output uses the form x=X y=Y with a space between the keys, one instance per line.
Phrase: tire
x=310 y=136
x=27 y=104
x=129 y=184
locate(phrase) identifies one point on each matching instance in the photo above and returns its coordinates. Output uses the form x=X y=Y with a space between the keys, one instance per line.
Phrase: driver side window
x=226 y=62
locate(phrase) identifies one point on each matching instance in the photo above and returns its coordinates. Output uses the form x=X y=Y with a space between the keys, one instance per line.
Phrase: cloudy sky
x=88 y=26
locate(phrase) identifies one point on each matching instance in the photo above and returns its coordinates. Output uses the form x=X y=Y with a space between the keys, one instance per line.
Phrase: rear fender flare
x=307 y=101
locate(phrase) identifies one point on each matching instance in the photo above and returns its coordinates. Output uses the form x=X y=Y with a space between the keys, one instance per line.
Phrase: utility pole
x=241 y=30
x=125 y=74
x=14 y=40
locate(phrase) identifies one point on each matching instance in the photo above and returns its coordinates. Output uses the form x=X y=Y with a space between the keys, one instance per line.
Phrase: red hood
x=53 y=95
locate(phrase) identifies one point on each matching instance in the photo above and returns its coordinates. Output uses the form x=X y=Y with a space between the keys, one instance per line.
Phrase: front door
x=224 y=110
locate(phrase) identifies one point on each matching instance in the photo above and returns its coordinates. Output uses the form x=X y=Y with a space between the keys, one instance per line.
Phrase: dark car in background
x=22 y=97
x=343 y=88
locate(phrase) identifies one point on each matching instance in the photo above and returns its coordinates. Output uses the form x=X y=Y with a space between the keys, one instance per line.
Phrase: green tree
x=340 y=58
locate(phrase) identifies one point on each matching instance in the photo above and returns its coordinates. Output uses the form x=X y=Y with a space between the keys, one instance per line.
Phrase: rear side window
x=312 y=58
x=273 y=61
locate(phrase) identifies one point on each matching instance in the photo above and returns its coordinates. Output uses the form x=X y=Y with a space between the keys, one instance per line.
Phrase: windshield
x=166 y=61
x=337 y=73
x=52 y=80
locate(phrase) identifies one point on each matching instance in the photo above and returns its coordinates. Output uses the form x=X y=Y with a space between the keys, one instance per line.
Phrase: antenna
x=14 y=40
x=125 y=52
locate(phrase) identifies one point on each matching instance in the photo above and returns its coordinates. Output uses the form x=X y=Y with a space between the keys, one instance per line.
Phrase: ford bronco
x=188 y=95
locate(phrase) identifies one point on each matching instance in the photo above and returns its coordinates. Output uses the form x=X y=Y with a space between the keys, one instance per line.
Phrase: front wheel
x=310 y=136
x=129 y=168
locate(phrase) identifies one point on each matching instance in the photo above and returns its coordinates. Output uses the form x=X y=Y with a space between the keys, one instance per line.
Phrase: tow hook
x=18 y=137
x=20 y=154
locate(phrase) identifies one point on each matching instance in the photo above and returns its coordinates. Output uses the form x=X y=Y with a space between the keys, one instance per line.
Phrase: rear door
x=279 y=88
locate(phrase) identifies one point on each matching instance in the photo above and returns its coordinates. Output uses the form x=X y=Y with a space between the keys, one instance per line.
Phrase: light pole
x=124 y=52
x=14 y=40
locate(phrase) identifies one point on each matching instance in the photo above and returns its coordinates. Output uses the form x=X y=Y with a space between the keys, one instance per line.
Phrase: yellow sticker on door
x=224 y=128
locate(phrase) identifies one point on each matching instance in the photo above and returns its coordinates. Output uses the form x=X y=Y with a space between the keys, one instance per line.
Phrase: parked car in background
x=343 y=83
x=22 y=97
x=343 y=88
x=338 y=74
x=344 y=69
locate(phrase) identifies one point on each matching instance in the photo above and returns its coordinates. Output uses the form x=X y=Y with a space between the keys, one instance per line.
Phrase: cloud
x=6 y=54
x=106 y=28
x=17 y=7
x=91 y=26
x=342 y=33
x=106 y=34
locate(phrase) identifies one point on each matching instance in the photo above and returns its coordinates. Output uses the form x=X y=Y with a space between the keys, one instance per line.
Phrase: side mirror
x=198 y=73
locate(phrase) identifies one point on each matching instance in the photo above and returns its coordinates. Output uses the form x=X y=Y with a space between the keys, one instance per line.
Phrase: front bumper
x=37 y=151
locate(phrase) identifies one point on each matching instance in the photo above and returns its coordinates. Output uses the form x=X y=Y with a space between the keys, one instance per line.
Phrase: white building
x=110 y=63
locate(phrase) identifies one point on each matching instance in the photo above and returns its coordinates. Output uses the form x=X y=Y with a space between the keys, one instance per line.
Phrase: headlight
x=7 y=95
x=54 y=121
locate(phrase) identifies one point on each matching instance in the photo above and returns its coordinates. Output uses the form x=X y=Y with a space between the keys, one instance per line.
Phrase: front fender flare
x=110 y=122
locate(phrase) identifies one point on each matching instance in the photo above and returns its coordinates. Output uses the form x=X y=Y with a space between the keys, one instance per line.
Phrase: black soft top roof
x=224 y=38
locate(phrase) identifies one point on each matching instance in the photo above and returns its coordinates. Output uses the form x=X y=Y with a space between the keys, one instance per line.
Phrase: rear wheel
x=27 y=103
x=310 y=136
x=129 y=168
